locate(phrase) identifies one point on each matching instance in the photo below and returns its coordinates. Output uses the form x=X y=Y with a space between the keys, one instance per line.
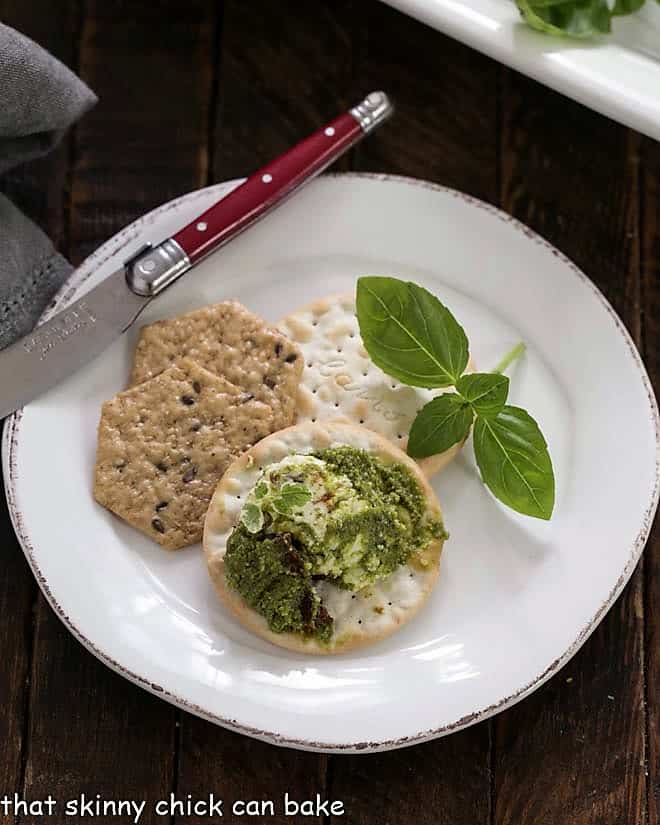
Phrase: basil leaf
x=576 y=18
x=485 y=391
x=292 y=496
x=260 y=490
x=514 y=461
x=252 y=518
x=439 y=425
x=622 y=7
x=409 y=334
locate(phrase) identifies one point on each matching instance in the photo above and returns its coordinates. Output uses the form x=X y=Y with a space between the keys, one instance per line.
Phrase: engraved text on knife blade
x=69 y=323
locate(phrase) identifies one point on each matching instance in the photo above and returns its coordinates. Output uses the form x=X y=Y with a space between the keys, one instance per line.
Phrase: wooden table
x=193 y=92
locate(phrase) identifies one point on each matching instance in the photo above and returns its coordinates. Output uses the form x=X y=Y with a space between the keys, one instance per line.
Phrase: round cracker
x=368 y=617
x=341 y=383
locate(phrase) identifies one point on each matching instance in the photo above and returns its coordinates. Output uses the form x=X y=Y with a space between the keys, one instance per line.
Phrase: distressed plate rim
x=10 y=445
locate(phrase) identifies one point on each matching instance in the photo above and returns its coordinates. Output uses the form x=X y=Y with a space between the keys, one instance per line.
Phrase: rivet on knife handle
x=151 y=270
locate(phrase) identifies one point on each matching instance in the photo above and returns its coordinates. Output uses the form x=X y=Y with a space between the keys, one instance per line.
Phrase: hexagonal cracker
x=230 y=341
x=164 y=444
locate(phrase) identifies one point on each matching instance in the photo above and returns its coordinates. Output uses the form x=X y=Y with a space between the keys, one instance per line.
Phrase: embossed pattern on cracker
x=164 y=444
x=341 y=383
x=230 y=341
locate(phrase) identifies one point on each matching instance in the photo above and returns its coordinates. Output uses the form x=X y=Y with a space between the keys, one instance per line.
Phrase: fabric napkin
x=39 y=99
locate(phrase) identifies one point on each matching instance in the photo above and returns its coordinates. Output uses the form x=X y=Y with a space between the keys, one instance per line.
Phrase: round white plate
x=516 y=597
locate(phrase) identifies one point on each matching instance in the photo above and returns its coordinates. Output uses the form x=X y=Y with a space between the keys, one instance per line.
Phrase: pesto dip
x=340 y=514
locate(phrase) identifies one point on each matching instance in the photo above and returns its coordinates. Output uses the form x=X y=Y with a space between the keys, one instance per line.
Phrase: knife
x=85 y=328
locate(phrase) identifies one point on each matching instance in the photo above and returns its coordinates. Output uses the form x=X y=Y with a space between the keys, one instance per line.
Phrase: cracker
x=229 y=341
x=163 y=445
x=341 y=383
x=360 y=618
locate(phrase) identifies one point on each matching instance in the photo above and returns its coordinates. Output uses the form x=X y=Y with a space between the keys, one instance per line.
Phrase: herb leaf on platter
x=575 y=18
x=486 y=392
x=443 y=422
x=623 y=7
x=515 y=465
x=409 y=333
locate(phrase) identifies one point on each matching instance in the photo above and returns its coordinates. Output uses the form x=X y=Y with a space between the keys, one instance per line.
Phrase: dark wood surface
x=194 y=92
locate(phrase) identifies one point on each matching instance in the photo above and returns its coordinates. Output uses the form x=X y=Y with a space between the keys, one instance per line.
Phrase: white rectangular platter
x=617 y=75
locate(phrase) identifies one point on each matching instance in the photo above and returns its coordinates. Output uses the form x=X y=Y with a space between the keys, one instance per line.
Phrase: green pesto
x=267 y=572
x=342 y=515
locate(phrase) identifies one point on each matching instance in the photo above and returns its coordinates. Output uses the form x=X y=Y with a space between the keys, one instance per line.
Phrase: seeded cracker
x=164 y=444
x=229 y=341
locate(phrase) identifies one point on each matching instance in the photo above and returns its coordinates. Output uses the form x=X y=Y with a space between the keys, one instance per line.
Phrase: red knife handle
x=152 y=269
x=262 y=190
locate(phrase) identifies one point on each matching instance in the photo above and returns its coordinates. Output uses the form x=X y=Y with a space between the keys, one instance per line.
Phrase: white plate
x=618 y=74
x=516 y=597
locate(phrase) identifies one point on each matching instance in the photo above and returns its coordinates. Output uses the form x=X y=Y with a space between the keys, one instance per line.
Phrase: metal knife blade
x=67 y=341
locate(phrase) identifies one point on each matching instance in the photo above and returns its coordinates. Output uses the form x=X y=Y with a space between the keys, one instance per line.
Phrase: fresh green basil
x=409 y=334
x=515 y=465
x=292 y=496
x=575 y=18
x=443 y=422
x=252 y=518
x=623 y=7
x=412 y=336
x=486 y=392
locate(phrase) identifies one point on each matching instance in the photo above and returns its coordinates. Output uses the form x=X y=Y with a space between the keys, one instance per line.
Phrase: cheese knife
x=85 y=328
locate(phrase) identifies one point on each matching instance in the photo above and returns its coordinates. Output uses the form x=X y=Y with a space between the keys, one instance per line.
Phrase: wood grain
x=284 y=71
x=448 y=780
x=152 y=66
x=235 y=767
x=445 y=128
x=573 y=753
x=36 y=188
x=444 y=782
x=90 y=730
x=650 y=260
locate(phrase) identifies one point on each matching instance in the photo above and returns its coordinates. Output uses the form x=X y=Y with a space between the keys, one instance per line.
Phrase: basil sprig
x=413 y=337
x=291 y=496
x=575 y=18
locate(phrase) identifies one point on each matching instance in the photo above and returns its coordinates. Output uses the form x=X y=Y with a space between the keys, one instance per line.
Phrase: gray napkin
x=39 y=99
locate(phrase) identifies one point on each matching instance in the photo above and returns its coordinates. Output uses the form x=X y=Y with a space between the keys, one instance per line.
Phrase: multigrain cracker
x=164 y=444
x=359 y=618
x=341 y=383
x=229 y=341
